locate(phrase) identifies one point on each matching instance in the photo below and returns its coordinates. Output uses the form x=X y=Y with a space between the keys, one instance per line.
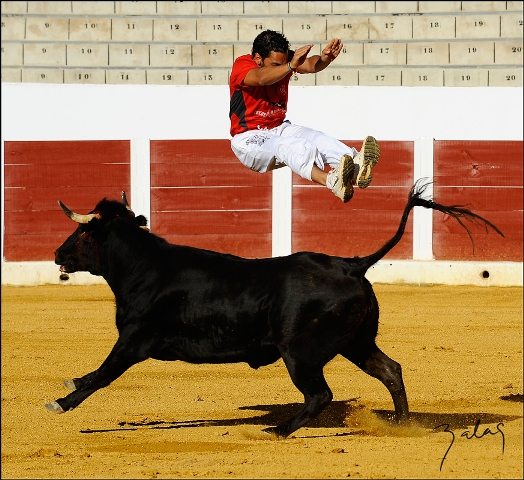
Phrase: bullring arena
x=460 y=348
x=78 y=129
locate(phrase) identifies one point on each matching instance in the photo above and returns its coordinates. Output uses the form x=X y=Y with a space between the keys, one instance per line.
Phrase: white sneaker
x=340 y=179
x=366 y=159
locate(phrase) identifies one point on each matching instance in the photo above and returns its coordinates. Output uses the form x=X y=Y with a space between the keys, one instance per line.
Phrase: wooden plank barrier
x=487 y=176
x=39 y=173
x=322 y=223
x=202 y=196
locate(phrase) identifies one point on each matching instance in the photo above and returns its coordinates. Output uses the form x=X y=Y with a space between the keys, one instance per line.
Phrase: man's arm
x=317 y=63
x=257 y=77
x=269 y=74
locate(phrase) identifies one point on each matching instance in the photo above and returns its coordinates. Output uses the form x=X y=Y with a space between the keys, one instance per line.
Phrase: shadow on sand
x=350 y=415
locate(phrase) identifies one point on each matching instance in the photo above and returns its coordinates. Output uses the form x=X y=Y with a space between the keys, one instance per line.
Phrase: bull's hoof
x=70 y=385
x=403 y=420
x=275 y=432
x=54 y=407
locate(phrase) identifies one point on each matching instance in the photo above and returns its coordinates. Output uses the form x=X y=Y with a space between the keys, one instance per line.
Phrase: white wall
x=155 y=112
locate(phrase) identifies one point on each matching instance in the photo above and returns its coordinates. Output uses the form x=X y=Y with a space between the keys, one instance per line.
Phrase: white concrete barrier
x=411 y=272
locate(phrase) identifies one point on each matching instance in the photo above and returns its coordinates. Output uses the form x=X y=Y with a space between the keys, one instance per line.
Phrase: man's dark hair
x=269 y=41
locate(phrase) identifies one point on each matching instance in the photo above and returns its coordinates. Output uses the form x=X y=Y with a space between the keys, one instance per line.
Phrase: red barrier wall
x=488 y=177
x=202 y=196
x=322 y=223
x=38 y=174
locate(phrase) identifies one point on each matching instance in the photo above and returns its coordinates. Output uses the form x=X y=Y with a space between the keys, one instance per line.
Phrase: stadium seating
x=433 y=43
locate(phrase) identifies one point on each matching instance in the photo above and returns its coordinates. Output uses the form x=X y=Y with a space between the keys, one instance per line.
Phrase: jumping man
x=262 y=138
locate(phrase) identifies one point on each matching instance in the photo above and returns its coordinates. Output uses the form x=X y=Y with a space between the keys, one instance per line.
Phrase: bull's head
x=82 y=251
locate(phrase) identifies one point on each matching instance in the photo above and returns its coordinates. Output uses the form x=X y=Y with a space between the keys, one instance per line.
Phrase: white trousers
x=297 y=147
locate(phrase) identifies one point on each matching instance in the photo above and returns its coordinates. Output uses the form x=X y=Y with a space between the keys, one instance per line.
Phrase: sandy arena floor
x=460 y=349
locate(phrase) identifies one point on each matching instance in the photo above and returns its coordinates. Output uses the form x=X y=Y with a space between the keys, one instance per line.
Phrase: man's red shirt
x=251 y=108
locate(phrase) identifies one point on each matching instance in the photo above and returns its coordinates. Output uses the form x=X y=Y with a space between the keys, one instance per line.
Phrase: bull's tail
x=458 y=212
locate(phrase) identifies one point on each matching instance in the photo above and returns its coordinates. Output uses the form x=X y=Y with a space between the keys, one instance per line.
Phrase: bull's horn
x=77 y=217
x=126 y=203
x=124 y=200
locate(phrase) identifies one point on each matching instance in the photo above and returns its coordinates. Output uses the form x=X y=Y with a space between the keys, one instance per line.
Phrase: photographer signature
x=469 y=435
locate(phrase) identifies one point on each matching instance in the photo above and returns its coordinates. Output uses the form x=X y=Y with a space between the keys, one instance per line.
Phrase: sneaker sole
x=369 y=153
x=348 y=170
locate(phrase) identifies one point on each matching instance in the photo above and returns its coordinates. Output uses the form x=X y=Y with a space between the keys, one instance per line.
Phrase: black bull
x=181 y=303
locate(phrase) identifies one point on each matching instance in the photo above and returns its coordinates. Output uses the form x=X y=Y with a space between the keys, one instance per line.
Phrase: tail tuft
x=458 y=212
x=415 y=199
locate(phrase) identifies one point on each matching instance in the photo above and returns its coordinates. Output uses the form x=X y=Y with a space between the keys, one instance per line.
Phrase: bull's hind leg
x=124 y=355
x=317 y=395
x=379 y=365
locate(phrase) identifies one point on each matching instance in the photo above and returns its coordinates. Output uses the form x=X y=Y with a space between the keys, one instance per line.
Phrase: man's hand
x=317 y=63
x=300 y=56
x=331 y=51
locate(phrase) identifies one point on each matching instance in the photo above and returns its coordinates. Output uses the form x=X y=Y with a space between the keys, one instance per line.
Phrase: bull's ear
x=141 y=221
x=76 y=217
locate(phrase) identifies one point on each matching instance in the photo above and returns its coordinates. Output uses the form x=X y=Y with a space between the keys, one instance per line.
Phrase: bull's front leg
x=123 y=356
x=77 y=383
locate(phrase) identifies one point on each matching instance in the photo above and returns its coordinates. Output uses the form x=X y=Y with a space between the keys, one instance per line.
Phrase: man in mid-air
x=262 y=138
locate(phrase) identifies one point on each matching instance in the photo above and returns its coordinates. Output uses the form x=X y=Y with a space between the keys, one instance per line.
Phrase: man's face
x=274 y=60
